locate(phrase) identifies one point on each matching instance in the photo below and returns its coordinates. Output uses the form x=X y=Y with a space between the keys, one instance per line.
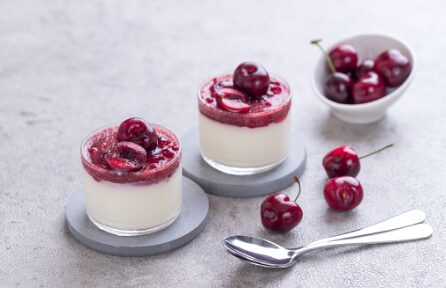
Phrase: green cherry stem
x=376 y=151
x=317 y=42
x=296 y=179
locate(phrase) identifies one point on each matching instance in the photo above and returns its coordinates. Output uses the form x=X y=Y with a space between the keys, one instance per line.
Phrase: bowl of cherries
x=359 y=78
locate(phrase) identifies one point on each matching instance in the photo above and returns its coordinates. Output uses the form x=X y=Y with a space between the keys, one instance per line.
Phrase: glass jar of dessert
x=132 y=177
x=244 y=120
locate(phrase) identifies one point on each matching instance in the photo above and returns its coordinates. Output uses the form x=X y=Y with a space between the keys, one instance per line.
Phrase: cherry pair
x=343 y=191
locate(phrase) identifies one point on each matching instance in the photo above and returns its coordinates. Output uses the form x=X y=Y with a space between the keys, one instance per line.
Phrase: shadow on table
x=333 y=217
x=247 y=275
x=334 y=129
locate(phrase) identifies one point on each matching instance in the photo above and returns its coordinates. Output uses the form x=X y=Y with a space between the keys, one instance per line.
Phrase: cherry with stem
x=279 y=213
x=344 y=161
x=337 y=86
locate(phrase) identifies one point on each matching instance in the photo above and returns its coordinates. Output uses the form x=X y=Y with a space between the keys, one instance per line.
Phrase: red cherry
x=344 y=57
x=127 y=157
x=251 y=78
x=342 y=161
x=138 y=131
x=365 y=67
x=338 y=87
x=370 y=87
x=393 y=66
x=343 y=193
x=232 y=100
x=278 y=213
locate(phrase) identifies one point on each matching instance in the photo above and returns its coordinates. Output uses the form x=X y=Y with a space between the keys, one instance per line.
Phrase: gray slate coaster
x=187 y=226
x=221 y=184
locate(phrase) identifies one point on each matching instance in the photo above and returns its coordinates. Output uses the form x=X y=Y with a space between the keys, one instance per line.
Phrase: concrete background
x=68 y=67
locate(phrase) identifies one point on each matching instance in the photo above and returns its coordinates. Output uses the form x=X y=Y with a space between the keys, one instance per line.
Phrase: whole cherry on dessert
x=369 y=87
x=126 y=157
x=232 y=100
x=344 y=161
x=393 y=66
x=343 y=193
x=344 y=57
x=251 y=78
x=138 y=131
x=278 y=213
x=363 y=68
x=338 y=85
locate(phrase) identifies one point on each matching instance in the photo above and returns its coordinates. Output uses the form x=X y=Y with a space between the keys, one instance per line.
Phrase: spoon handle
x=414 y=232
x=408 y=218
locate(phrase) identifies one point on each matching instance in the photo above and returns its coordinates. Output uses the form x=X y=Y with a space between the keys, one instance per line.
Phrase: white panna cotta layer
x=131 y=207
x=244 y=147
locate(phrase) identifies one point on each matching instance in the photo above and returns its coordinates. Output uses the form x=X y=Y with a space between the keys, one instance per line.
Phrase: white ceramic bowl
x=368 y=46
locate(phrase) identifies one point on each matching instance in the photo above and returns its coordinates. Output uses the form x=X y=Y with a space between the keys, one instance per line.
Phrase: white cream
x=244 y=147
x=133 y=207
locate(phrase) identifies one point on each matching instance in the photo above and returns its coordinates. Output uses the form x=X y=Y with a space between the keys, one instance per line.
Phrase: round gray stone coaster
x=221 y=184
x=187 y=226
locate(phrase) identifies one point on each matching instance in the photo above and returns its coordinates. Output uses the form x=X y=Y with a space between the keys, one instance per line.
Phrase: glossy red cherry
x=338 y=87
x=251 y=78
x=343 y=193
x=369 y=87
x=138 y=131
x=344 y=57
x=342 y=161
x=232 y=100
x=127 y=157
x=393 y=66
x=365 y=67
x=279 y=213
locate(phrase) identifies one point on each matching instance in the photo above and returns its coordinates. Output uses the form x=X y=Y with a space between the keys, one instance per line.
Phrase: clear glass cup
x=131 y=203
x=244 y=144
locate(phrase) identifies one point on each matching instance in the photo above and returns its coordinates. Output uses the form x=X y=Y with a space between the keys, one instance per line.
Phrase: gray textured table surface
x=67 y=67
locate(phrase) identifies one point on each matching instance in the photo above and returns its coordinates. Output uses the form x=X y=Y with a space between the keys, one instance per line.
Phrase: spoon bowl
x=260 y=251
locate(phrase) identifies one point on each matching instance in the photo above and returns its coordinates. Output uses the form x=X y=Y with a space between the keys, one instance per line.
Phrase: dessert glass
x=132 y=203
x=245 y=143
